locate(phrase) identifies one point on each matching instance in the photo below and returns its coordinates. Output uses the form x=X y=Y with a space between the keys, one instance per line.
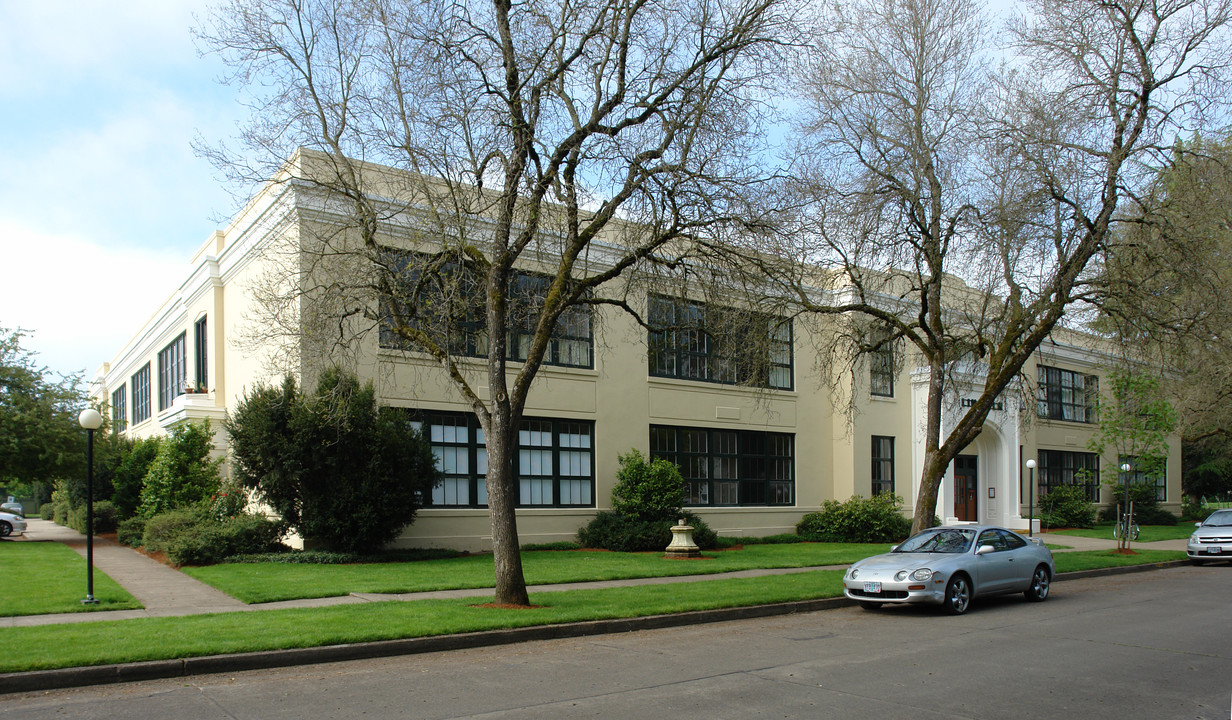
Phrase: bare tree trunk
x=502 y=501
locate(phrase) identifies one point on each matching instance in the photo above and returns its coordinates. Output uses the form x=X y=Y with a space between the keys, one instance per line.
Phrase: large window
x=553 y=467
x=448 y=306
x=1155 y=475
x=201 y=344
x=1067 y=395
x=140 y=383
x=1060 y=467
x=883 y=464
x=119 y=409
x=729 y=467
x=694 y=341
x=171 y=372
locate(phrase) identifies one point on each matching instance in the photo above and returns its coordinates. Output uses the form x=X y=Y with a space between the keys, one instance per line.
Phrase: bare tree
x=525 y=157
x=961 y=207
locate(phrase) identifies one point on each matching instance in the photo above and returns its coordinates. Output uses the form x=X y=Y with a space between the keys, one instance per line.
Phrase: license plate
x=1214 y=550
x=872 y=587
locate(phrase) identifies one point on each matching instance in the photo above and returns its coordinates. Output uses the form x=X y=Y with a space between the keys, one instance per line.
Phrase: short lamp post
x=1030 y=498
x=91 y=421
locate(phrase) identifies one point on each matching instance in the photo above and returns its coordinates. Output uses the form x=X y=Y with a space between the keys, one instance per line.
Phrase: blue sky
x=102 y=201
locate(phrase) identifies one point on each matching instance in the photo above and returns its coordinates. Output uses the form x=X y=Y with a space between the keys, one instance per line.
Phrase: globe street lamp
x=91 y=421
x=1030 y=498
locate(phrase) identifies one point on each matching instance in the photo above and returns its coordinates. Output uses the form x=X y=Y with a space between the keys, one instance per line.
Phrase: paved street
x=1147 y=645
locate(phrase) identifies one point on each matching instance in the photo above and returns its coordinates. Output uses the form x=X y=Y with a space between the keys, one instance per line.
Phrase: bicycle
x=1119 y=529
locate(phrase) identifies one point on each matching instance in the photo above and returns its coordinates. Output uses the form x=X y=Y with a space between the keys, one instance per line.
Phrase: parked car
x=949 y=566
x=1213 y=538
x=13 y=507
x=11 y=524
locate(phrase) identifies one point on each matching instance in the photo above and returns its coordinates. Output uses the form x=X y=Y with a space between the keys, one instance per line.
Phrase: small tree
x=339 y=469
x=1136 y=422
x=647 y=490
x=182 y=473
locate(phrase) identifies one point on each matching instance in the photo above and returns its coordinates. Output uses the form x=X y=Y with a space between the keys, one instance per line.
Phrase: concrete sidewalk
x=166 y=592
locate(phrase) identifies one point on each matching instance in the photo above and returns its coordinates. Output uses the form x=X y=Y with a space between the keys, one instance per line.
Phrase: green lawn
x=53 y=580
x=1149 y=533
x=266 y=582
x=95 y=643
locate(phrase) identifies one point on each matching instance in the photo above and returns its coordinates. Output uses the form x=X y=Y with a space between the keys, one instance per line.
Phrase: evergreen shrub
x=858 y=520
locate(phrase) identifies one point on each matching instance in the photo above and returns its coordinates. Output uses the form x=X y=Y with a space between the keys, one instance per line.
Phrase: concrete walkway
x=165 y=592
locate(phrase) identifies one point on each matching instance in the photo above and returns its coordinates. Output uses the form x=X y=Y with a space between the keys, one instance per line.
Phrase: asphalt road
x=1149 y=645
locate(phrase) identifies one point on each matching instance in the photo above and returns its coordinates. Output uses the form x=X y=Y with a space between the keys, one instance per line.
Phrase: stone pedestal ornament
x=682 y=542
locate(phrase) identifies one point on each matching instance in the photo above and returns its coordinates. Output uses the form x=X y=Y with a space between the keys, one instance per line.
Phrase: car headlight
x=853 y=572
x=922 y=574
x=1193 y=539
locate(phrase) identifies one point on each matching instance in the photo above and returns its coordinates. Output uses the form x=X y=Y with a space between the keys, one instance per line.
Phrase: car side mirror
x=985 y=549
x=1198 y=524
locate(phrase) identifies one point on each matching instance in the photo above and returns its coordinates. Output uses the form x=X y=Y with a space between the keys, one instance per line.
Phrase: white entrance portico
x=996 y=450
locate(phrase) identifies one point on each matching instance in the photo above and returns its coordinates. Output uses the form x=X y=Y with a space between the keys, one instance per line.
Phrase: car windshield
x=948 y=540
x=1219 y=519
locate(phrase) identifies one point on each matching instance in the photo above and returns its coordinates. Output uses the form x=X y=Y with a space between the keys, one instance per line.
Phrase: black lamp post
x=91 y=421
x=1030 y=498
x=1126 y=518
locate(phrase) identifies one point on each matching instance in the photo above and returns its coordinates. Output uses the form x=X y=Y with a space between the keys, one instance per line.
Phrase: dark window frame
x=1056 y=395
x=201 y=354
x=474 y=446
x=172 y=371
x=1061 y=467
x=881 y=370
x=572 y=343
x=1141 y=477
x=681 y=348
x=883 y=464
x=140 y=383
x=763 y=463
x=119 y=408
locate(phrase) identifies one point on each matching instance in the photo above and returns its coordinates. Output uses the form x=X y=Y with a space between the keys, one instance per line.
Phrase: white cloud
x=80 y=299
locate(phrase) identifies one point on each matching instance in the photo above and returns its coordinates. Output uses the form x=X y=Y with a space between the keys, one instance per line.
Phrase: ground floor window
x=1061 y=467
x=883 y=464
x=729 y=467
x=1155 y=476
x=554 y=465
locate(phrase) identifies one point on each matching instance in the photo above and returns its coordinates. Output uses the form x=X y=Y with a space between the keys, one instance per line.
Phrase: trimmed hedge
x=858 y=520
x=192 y=537
x=621 y=533
x=1066 y=506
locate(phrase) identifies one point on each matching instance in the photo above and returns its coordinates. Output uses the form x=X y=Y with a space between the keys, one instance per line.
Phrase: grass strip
x=267 y=582
x=53 y=580
x=1096 y=559
x=1149 y=533
x=118 y=641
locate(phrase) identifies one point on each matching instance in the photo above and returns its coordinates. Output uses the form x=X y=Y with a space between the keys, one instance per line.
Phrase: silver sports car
x=1212 y=540
x=951 y=565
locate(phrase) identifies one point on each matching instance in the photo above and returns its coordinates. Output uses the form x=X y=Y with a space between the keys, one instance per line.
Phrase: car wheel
x=1040 y=583
x=869 y=605
x=5 y=529
x=957 y=595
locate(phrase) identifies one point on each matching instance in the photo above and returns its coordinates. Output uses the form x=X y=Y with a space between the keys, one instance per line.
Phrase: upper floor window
x=1061 y=467
x=171 y=372
x=201 y=348
x=883 y=464
x=1153 y=474
x=881 y=366
x=447 y=305
x=140 y=383
x=695 y=341
x=1067 y=395
x=119 y=409
x=729 y=467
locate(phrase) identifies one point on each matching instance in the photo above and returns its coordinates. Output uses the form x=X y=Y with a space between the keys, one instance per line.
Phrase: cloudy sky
x=102 y=201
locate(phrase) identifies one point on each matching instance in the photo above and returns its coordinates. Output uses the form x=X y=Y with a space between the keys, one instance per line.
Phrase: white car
x=1212 y=540
x=11 y=524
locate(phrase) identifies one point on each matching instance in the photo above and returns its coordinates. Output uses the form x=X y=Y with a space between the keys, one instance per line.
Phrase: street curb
x=39 y=680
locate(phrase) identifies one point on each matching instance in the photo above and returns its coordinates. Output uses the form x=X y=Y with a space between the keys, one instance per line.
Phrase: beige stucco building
x=754 y=460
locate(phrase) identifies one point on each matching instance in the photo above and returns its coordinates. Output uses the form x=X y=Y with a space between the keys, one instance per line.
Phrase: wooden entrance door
x=966 y=488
